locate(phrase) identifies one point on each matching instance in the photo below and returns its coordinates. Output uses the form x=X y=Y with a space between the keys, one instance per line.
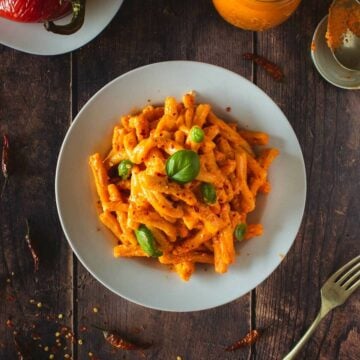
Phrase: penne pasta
x=178 y=183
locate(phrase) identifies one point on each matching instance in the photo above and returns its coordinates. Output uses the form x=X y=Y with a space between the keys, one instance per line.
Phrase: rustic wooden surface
x=38 y=98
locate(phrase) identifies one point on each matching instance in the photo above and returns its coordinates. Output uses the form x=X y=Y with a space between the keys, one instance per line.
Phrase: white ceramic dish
x=327 y=65
x=144 y=282
x=34 y=39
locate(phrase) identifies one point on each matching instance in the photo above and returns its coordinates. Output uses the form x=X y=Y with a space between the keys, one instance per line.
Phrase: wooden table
x=40 y=96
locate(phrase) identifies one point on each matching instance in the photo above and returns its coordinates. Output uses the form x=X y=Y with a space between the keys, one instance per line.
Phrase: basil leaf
x=208 y=193
x=183 y=166
x=146 y=241
x=196 y=134
x=240 y=231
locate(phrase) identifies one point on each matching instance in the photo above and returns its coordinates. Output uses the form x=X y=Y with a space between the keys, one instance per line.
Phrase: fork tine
x=343 y=279
x=338 y=273
x=353 y=287
x=351 y=280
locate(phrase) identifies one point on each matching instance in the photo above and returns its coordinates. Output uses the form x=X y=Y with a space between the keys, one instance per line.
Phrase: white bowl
x=144 y=281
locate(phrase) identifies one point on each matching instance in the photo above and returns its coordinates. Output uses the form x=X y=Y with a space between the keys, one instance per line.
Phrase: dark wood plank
x=326 y=121
x=142 y=33
x=34 y=97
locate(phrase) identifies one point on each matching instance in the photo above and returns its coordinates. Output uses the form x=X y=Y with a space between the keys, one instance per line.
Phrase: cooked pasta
x=178 y=183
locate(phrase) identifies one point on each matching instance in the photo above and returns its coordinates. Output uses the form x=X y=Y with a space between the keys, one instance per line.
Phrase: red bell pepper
x=45 y=11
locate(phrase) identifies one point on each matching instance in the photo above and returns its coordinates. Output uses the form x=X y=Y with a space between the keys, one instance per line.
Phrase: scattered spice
x=114 y=339
x=10 y=298
x=9 y=323
x=36 y=337
x=247 y=340
x=272 y=69
x=33 y=252
x=5 y=161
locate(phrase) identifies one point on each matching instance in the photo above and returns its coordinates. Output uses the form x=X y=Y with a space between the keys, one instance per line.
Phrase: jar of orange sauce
x=255 y=15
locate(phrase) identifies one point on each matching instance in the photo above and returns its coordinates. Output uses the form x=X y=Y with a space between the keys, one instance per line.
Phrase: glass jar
x=256 y=15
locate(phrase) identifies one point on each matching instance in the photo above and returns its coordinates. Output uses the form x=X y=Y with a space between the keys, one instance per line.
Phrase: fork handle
x=292 y=354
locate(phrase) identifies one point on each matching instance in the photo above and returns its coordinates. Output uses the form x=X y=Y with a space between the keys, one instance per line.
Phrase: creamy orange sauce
x=343 y=15
x=313 y=46
x=255 y=15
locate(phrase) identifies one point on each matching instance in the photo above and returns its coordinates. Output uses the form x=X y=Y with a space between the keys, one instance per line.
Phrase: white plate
x=142 y=281
x=34 y=39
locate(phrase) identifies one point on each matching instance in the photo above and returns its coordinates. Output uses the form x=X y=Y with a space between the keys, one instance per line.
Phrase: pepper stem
x=78 y=10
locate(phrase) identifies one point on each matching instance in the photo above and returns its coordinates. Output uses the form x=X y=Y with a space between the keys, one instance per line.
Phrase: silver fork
x=334 y=292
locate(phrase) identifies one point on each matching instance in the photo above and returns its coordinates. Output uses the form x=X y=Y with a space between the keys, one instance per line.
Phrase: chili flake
x=33 y=252
x=5 y=161
x=272 y=69
x=247 y=340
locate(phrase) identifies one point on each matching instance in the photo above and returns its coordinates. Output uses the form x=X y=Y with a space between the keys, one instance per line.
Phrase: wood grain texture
x=326 y=121
x=35 y=113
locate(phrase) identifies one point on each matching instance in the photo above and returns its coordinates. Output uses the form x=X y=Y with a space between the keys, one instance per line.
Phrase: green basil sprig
x=183 y=166
x=124 y=169
x=146 y=240
x=208 y=193
x=196 y=134
x=240 y=231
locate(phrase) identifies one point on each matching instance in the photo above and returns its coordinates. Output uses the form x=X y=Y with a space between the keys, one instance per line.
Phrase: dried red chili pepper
x=272 y=69
x=118 y=342
x=33 y=252
x=247 y=340
x=5 y=161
